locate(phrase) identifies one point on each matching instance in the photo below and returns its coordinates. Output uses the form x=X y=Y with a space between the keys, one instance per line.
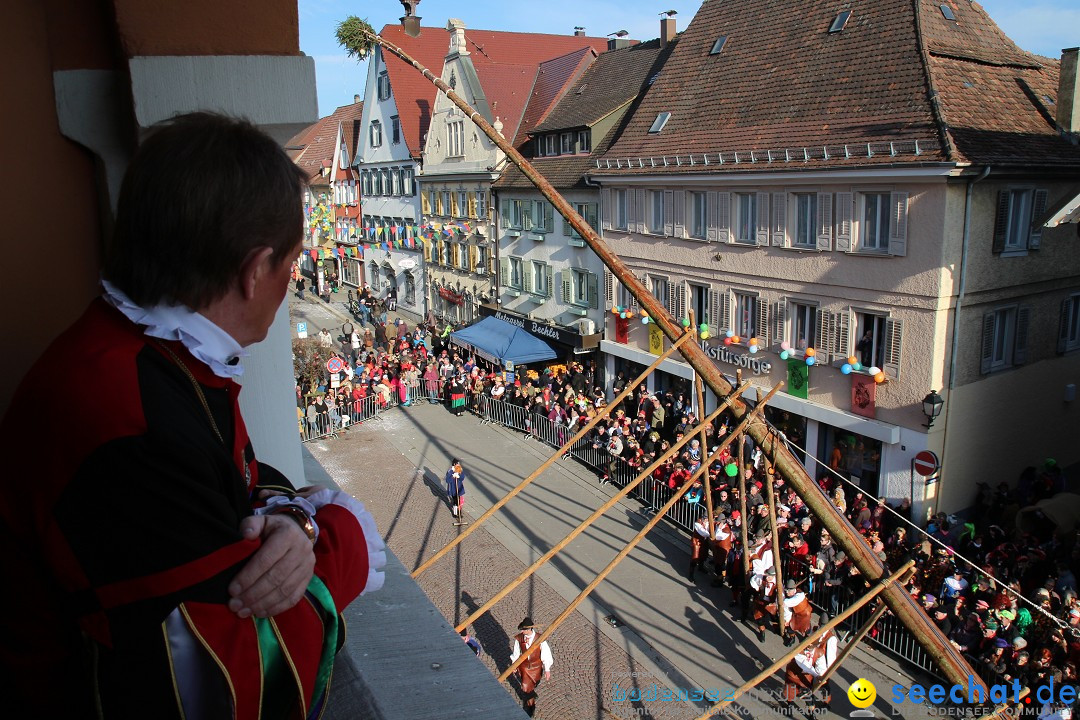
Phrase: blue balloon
x=810 y=360
x=845 y=368
x=644 y=321
x=753 y=349
x=730 y=333
x=784 y=355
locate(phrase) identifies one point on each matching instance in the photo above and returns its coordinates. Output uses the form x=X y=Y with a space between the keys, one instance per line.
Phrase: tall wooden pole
x=569 y=444
x=740 y=465
x=951 y=662
x=770 y=495
x=647 y=472
x=660 y=513
x=704 y=449
x=813 y=637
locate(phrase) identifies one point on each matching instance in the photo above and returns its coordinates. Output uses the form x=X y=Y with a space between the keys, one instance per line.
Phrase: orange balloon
x=734 y=338
x=644 y=313
x=811 y=352
x=879 y=378
x=753 y=341
x=614 y=311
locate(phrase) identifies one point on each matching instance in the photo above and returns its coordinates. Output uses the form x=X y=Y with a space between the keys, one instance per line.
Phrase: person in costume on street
x=455 y=487
x=162 y=571
x=806 y=667
x=797 y=612
x=537 y=662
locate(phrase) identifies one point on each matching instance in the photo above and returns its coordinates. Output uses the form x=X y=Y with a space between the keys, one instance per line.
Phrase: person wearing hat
x=797 y=613
x=761 y=558
x=806 y=667
x=455 y=487
x=699 y=546
x=535 y=664
x=723 y=539
x=764 y=603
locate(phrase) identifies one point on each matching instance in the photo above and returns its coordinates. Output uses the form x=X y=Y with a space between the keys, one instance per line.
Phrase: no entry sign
x=927 y=463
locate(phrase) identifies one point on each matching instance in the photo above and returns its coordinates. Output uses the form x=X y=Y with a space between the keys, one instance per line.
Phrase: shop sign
x=542 y=330
x=721 y=353
x=451 y=296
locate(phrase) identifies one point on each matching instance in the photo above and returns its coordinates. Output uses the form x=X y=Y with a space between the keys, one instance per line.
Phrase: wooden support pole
x=740 y=465
x=568 y=445
x=951 y=661
x=855 y=639
x=706 y=482
x=647 y=472
x=770 y=496
x=660 y=513
x=810 y=639
x=1009 y=710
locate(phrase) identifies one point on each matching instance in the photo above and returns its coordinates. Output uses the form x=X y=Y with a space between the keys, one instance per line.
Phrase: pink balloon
x=785 y=345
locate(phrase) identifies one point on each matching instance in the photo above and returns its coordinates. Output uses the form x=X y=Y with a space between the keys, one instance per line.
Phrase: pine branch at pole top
x=568 y=445
x=879 y=588
x=706 y=481
x=656 y=518
x=642 y=476
x=953 y=666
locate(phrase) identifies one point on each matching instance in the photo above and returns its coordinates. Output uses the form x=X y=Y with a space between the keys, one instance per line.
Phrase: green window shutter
x=567 y=278
x=594 y=291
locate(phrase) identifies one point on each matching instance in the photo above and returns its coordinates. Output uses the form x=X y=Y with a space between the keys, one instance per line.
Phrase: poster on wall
x=863 y=395
x=798 y=378
x=622 y=330
x=656 y=339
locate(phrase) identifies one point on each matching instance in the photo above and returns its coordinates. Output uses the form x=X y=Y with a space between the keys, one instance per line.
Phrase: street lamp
x=931 y=407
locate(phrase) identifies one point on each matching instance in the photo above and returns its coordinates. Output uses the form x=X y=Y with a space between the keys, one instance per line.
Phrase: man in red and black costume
x=803 y=671
x=161 y=570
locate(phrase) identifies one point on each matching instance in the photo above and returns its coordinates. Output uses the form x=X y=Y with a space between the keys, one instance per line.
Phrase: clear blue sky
x=1042 y=26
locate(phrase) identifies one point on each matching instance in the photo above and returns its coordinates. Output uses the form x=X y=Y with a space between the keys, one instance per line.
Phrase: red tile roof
x=313 y=147
x=553 y=79
x=415 y=95
x=783 y=83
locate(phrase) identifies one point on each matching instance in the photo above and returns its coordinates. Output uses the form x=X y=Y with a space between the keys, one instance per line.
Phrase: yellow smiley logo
x=862 y=693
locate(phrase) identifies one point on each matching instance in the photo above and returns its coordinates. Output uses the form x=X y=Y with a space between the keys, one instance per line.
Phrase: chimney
x=617 y=43
x=667 y=31
x=355 y=99
x=457 y=37
x=579 y=31
x=1068 y=100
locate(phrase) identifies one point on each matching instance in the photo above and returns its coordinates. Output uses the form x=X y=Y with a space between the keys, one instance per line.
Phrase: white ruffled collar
x=203 y=339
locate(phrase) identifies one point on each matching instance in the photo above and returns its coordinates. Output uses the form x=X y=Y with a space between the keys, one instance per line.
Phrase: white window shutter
x=609 y=290
x=762 y=326
x=504 y=213
x=720 y=216
x=1023 y=321
x=668 y=202
x=567 y=279
x=844 y=212
x=778 y=321
x=550 y=276
x=763 y=218
x=987 y=355
x=606 y=202
x=594 y=291
x=842 y=334
x=712 y=229
x=717 y=298
x=822 y=339
x=824 y=218
x=1038 y=208
x=679 y=207
x=898 y=224
x=723 y=321
x=779 y=223
x=894 y=341
x=639 y=196
x=680 y=300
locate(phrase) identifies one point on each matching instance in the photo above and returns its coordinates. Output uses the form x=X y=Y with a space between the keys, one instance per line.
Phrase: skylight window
x=948 y=12
x=718 y=45
x=660 y=122
x=840 y=21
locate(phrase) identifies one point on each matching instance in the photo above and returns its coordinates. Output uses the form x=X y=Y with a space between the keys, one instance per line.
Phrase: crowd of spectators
x=1006 y=599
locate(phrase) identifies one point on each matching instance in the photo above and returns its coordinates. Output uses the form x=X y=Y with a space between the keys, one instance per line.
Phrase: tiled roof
x=796 y=95
x=611 y=83
x=415 y=95
x=552 y=80
x=614 y=79
x=313 y=147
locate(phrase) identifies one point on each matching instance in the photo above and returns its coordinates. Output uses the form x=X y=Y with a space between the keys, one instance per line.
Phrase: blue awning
x=500 y=342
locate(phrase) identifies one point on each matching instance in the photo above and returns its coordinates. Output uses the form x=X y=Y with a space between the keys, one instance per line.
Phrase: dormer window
x=660 y=122
x=584 y=141
x=566 y=144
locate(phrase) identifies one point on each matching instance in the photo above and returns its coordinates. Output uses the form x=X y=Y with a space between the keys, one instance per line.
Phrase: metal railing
x=357 y=411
